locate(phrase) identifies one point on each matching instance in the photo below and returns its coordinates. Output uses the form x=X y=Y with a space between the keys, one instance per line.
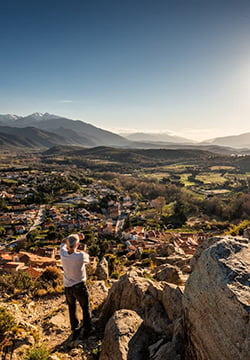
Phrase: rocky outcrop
x=102 y=270
x=211 y=320
x=91 y=266
x=154 y=301
x=169 y=249
x=217 y=300
x=159 y=304
x=169 y=273
x=119 y=333
x=181 y=261
x=98 y=293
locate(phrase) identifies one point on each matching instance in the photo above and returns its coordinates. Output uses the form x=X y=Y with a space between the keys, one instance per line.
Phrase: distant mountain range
x=235 y=141
x=46 y=130
x=58 y=130
x=157 y=137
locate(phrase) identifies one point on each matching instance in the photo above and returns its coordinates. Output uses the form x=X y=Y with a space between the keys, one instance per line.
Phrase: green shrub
x=52 y=274
x=49 y=283
x=6 y=282
x=112 y=261
x=238 y=229
x=7 y=323
x=147 y=253
x=23 y=281
x=115 y=275
x=37 y=352
x=18 y=281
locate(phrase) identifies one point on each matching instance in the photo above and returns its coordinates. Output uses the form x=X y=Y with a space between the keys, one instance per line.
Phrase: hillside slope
x=29 y=137
x=74 y=131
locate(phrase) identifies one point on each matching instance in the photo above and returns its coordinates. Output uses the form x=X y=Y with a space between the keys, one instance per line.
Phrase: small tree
x=7 y=323
x=37 y=352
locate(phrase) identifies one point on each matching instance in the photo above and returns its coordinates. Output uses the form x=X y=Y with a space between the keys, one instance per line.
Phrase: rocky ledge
x=155 y=320
x=217 y=300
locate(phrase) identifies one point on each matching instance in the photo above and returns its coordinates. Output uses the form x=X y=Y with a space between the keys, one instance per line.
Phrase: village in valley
x=145 y=227
x=31 y=231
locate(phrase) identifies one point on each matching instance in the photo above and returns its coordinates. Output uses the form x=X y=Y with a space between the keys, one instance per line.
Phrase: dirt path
x=46 y=321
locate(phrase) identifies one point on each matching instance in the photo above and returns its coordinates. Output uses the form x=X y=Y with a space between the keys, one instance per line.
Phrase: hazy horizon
x=167 y=66
x=126 y=131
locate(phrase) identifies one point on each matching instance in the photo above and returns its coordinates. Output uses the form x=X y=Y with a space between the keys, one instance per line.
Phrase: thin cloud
x=65 y=101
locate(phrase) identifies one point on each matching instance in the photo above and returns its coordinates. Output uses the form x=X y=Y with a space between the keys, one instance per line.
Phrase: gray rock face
x=98 y=293
x=169 y=249
x=157 y=302
x=169 y=273
x=118 y=337
x=166 y=351
x=217 y=300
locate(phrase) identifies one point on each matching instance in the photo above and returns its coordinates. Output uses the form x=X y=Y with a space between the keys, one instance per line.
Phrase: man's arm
x=63 y=250
x=81 y=236
x=84 y=249
x=64 y=241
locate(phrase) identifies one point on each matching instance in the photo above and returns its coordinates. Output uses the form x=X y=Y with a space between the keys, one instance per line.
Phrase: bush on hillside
x=49 y=283
x=238 y=229
x=52 y=274
x=20 y=281
x=148 y=253
x=37 y=352
x=7 y=323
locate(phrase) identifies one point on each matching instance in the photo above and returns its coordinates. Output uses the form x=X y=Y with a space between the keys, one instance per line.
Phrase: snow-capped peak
x=37 y=115
x=40 y=116
x=9 y=117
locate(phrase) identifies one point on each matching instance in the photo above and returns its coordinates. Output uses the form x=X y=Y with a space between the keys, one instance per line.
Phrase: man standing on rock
x=74 y=280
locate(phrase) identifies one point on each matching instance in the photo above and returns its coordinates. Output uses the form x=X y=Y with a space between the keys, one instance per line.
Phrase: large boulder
x=169 y=273
x=180 y=261
x=158 y=303
x=118 y=337
x=169 y=249
x=217 y=300
x=171 y=299
x=136 y=293
x=170 y=348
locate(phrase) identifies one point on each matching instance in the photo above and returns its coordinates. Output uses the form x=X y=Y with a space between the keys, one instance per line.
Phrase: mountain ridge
x=78 y=132
x=161 y=137
x=236 y=141
x=29 y=137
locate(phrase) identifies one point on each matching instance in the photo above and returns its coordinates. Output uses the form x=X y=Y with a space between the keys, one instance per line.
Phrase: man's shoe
x=87 y=332
x=75 y=334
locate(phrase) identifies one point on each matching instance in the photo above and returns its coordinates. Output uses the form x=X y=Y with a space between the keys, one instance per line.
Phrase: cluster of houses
x=138 y=237
x=30 y=263
x=19 y=219
x=17 y=187
x=135 y=239
x=69 y=212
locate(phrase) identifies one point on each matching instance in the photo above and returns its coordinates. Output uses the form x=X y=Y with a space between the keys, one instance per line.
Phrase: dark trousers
x=78 y=292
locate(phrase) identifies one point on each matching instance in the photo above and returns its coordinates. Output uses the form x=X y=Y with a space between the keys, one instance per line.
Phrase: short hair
x=72 y=240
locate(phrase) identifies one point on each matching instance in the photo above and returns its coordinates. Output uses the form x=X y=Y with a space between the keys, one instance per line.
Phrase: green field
x=211 y=178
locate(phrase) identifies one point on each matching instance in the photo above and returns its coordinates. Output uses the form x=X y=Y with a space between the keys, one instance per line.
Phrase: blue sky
x=150 y=65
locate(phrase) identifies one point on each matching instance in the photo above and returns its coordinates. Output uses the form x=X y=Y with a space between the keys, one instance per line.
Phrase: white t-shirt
x=73 y=266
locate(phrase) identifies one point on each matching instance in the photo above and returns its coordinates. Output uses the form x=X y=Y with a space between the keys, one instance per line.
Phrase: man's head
x=72 y=241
